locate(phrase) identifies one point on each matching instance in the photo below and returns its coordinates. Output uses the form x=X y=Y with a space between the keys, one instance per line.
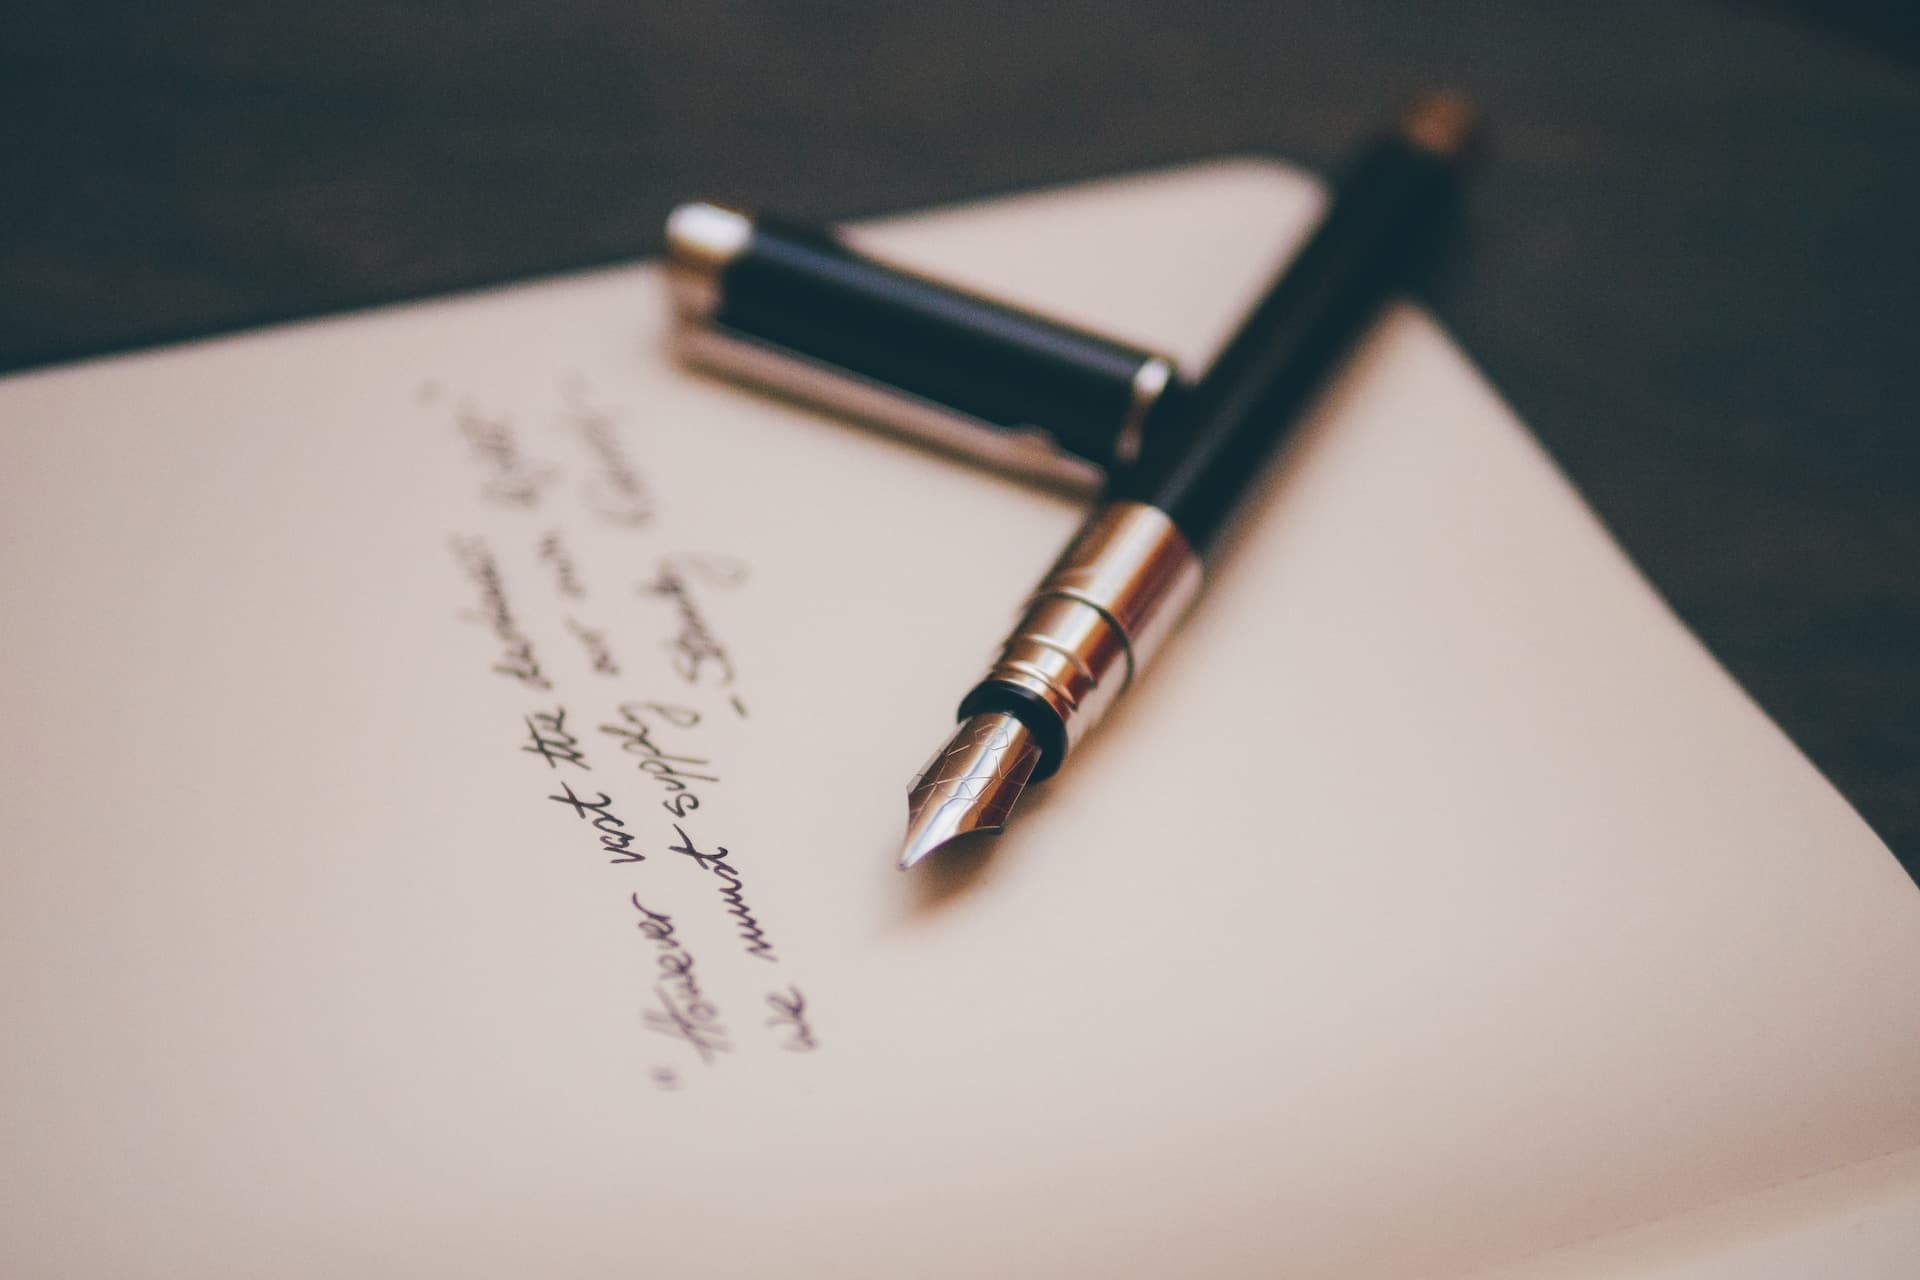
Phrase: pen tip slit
x=970 y=785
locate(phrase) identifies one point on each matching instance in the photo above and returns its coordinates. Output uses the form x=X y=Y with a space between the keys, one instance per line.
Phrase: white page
x=1437 y=904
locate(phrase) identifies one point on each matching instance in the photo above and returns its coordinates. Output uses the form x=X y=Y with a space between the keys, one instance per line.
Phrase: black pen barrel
x=1205 y=444
x=1135 y=567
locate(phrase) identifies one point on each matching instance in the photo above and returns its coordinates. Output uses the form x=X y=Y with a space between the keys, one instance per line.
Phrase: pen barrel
x=1090 y=627
x=1205 y=445
x=929 y=347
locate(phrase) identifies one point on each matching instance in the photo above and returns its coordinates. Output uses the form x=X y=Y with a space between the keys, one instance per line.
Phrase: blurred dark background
x=1690 y=259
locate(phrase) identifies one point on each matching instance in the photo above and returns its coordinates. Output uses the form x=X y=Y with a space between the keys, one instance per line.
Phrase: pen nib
x=970 y=784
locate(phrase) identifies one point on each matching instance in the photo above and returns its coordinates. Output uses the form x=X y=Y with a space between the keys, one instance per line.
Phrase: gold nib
x=970 y=784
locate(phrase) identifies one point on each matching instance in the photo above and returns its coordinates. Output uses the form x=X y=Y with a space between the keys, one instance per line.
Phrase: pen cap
x=800 y=311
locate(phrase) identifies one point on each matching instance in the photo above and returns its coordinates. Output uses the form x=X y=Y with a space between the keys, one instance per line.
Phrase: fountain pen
x=1136 y=565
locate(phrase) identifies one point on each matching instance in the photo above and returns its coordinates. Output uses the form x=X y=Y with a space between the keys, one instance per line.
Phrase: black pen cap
x=799 y=311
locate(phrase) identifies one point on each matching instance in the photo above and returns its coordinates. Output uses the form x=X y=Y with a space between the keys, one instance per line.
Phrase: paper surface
x=1436 y=905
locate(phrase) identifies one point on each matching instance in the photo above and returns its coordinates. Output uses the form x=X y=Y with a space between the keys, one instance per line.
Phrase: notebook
x=458 y=756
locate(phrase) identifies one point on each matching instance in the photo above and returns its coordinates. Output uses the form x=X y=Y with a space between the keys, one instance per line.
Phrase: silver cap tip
x=701 y=240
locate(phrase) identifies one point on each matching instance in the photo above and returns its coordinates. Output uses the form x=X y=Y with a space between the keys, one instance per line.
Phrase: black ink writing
x=790 y=1015
x=617 y=493
x=594 y=641
x=731 y=893
x=685 y=1013
x=516 y=660
x=698 y=656
x=512 y=480
x=674 y=772
x=553 y=553
x=548 y=738
x=614 y=836
x=681 y=1022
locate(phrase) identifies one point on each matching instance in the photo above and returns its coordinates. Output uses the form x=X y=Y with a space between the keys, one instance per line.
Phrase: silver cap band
x=1101 y=613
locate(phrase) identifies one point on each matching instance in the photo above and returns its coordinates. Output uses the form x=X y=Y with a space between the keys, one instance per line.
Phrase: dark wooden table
x=1690 y=261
